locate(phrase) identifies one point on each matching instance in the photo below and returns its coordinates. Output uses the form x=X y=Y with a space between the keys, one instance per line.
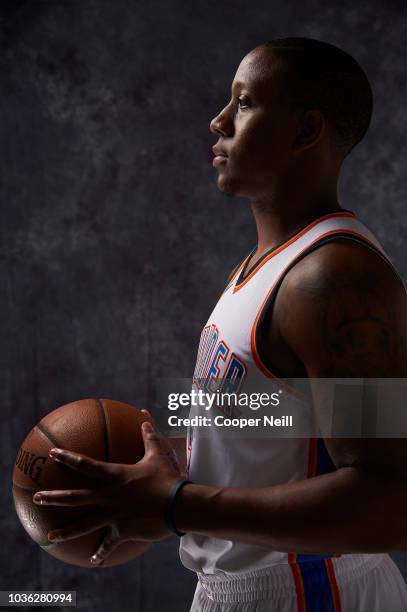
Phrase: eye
x=242 y=102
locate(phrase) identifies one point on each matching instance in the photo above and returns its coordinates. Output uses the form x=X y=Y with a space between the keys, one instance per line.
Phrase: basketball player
x=284 y=524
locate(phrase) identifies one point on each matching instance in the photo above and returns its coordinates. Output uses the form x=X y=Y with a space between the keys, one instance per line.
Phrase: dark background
x=114 y=239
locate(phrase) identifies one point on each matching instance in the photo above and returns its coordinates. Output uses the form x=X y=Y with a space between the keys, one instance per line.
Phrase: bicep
x=346 y=321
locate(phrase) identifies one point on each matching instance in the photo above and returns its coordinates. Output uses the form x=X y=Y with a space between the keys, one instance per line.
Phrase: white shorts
x=351 y=583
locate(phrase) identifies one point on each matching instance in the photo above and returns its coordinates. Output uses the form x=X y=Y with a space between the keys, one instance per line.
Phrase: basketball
x=103 y=429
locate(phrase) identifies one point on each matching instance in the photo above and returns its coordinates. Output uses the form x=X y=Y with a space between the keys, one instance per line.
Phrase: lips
x=220 y=156
x=218 y=152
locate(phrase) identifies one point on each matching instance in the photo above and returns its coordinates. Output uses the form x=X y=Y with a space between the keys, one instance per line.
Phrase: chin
x=227 y=185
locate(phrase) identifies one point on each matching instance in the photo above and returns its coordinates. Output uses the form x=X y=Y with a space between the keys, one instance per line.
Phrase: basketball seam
x=47 y=434
x=102 y=411
x=17 y=486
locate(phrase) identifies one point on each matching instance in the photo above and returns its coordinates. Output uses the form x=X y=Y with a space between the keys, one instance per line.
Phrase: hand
x=132 y=501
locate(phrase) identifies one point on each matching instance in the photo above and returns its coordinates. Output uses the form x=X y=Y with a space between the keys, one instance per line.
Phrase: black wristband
x=169 y=505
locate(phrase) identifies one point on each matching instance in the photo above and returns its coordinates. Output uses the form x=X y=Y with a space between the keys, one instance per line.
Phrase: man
x=317 y=298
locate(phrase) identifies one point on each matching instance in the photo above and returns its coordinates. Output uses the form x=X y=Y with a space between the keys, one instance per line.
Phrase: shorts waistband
x=274 y=580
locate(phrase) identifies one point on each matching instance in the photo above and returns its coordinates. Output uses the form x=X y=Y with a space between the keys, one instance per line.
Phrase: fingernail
x=38 y=498
x=53 y=535
x=95 y=559
x=55 y=451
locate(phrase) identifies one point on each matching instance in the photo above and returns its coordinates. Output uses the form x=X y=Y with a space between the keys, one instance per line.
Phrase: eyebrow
x=237 y=85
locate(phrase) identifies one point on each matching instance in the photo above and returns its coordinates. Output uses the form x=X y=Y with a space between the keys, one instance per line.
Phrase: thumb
x=109 y=543
x=149 y=415
x=151 y=439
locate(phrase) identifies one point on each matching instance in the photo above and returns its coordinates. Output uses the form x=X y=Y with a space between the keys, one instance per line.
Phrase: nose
x=216 y=127
x=221 y=124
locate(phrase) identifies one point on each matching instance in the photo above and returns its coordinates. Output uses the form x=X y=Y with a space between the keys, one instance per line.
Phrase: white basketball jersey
x=229 y=350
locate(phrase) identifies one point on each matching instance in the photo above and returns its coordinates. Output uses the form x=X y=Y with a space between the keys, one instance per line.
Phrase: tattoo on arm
x=358 y=327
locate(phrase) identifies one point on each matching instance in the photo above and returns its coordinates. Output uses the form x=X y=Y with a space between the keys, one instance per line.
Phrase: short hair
x=319 y=75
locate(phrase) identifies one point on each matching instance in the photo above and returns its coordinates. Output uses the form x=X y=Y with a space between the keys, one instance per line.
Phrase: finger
x=84 y=464
x=110 y=542
x=80 y=528
x=151 y=439
x=76 y=497
x=150 y=417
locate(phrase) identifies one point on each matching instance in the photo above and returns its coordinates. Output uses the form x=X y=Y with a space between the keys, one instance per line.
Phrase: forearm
x=343 y=512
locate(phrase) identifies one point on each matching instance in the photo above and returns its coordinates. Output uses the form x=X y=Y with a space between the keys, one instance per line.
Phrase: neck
x=278 y=217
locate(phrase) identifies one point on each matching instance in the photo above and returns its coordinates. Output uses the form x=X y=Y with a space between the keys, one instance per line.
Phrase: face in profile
x=255 y=129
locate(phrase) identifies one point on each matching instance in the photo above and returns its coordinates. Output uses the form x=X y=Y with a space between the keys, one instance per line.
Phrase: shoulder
x=337 y=297
x=343 y=262
x=339 y=266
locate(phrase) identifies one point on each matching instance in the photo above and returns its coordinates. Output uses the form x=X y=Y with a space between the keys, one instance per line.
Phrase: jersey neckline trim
x=242 y=280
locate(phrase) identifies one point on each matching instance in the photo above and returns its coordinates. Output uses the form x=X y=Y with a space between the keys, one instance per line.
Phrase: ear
x=310 y=130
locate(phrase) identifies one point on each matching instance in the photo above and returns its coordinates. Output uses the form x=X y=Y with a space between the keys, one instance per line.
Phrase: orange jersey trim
x=236 y=272
x=334 y=585
x=286 y=244
x=299 y=587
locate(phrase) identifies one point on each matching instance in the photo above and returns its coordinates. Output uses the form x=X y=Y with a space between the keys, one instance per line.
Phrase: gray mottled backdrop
x=114 y=239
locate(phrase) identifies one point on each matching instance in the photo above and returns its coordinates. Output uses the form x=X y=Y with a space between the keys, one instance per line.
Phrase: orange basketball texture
x=103 y=429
